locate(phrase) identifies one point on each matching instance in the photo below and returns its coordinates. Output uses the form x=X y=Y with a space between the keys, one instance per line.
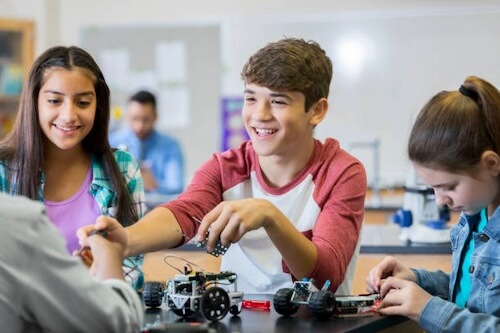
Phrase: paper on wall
x=171 y=61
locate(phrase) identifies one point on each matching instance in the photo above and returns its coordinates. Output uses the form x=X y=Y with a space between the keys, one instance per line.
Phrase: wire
x=188 y=263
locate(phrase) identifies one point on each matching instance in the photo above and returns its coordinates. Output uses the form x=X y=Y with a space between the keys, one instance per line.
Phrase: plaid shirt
x=103 y=192
x=100 y=187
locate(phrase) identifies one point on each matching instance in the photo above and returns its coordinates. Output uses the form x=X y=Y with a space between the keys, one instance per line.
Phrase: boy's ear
x=491 y=160
x=318 y=111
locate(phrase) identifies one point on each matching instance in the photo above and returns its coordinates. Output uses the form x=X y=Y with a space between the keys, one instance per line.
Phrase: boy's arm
x=298 y=252
x=337 y=230
x=157 y=230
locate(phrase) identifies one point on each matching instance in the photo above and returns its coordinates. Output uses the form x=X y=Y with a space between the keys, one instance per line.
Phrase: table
x=385 y=239
x=302 y=322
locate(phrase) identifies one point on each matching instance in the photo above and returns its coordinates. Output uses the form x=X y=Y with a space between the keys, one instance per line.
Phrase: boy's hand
x=402 y=297
x=230 y=220
x=389 y=266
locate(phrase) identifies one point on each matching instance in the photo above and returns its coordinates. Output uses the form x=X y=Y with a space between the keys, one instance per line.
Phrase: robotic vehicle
x=192 y=292
x=321 y=302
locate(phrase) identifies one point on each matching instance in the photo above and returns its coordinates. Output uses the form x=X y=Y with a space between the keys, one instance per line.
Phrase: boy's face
x=277 y=121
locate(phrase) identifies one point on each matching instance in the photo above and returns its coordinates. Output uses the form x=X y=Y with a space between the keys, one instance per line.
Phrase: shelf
x=16 y=57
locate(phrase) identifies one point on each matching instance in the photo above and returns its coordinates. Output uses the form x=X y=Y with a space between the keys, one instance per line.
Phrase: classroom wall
x=412 y=49
x=402 y=59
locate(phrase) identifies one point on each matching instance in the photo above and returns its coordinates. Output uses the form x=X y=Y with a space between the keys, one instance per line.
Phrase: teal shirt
x=464 y=284
x=101 y=189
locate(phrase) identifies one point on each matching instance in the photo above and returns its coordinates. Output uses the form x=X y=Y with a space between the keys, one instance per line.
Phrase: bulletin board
x=193 y=91
x=233 y=129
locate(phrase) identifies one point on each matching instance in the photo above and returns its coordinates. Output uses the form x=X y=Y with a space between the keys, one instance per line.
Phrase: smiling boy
x=289 y=205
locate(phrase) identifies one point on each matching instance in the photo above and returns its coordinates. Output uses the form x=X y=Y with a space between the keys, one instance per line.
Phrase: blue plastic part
x=437 y=224
x=326 y=285
x=403 y=218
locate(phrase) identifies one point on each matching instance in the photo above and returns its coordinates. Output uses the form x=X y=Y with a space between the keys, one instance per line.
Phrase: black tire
x=215 y=303
x=152 y=294
x=322 y=304
x=283 y=302
x=185 y=289
x=235 y=310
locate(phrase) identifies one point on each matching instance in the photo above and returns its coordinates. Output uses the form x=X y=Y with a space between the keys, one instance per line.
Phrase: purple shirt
x=77 y=211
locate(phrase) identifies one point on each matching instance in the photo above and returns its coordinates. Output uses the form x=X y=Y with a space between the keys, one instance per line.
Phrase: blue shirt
x=476 y=224
x=161 y=153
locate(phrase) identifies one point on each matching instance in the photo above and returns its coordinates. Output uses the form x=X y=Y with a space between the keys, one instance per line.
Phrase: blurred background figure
x=160 y=155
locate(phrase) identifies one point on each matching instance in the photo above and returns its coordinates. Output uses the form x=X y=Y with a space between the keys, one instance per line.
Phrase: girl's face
x=463 y=192
x=66 y=107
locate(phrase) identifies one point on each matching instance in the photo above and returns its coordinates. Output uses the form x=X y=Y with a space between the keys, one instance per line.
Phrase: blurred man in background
x=160 y=156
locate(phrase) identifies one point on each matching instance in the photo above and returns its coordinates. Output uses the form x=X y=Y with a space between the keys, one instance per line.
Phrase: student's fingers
x=99 y=243
x=392 y=283
x=376 y=275
x=381 y=271
x=104 y=222
x=233 y=231
x=114 y=230
x=207 y=221
x=216 y=229
x=83 y=232
x=214 y=223
x=373 y=284
x=391 y=310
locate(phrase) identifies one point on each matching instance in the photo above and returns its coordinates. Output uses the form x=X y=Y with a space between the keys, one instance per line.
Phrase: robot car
x=191 y=292
x=320 y=302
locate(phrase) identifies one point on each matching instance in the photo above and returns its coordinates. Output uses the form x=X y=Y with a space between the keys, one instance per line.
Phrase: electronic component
x=219 y=250
x=363 y=305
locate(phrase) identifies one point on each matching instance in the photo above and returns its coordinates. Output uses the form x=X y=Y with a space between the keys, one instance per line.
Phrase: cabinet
x=16 y=57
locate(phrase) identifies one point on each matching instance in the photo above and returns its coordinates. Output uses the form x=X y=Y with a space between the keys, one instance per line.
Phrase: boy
x=290 y=206
x=43 y=288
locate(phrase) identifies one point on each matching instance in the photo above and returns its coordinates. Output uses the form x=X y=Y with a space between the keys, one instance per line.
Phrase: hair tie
x=469 y=93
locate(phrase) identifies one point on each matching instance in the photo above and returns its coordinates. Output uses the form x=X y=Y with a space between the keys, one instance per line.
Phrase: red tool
x=256 y=305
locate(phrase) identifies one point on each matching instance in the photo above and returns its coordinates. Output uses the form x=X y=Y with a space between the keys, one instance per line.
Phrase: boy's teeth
x=264 y=131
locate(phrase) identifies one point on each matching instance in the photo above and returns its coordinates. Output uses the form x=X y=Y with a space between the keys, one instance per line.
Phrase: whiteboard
x=138 y=47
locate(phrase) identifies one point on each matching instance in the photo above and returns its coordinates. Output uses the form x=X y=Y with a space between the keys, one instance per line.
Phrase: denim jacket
x=482 y=313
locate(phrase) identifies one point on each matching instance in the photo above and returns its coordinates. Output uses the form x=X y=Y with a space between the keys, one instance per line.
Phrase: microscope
x=421 y=219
